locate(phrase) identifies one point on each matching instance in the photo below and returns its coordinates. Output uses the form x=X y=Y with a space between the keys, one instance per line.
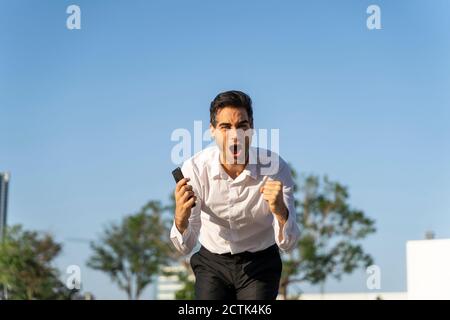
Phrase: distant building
x=4 y=182
x=428 y=269
x=84 y=296
x=167 y=286
x=356 y=296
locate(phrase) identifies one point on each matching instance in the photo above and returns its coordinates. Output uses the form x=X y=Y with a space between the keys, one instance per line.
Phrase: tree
x=134 y=251
x=186 y=276
x=26 y=269
x=187 y=279
x=329 y=245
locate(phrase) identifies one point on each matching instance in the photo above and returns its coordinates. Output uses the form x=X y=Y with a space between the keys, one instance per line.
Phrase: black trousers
x=242 y=276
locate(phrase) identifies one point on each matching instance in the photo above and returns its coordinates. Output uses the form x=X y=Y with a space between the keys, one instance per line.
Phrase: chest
x=236 y=201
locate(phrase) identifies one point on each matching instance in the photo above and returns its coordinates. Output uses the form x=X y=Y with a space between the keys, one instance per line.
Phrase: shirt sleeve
x=290 y=232
x=185 y=242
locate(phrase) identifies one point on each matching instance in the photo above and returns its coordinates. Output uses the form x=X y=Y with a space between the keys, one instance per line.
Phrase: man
x=241 y=212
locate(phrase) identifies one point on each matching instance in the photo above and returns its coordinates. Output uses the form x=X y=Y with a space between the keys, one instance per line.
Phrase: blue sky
x=86 y=115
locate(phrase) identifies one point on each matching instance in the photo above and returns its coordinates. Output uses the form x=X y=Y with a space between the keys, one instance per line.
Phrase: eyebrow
x=229 y=124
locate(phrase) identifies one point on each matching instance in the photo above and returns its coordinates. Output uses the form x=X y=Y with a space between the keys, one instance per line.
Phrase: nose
x=233 y=135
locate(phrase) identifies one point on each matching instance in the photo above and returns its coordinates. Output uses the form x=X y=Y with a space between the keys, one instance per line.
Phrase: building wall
x=167 y=286
x=428 y=269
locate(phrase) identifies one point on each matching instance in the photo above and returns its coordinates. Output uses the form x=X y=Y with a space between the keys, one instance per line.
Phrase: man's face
x=232 y=134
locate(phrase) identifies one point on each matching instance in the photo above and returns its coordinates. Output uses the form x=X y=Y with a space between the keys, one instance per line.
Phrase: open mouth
x=235 y=150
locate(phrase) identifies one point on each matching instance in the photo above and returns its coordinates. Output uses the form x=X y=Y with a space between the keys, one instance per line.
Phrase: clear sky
x=86 y=115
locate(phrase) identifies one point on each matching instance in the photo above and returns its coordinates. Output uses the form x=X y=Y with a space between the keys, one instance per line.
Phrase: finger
x=270 y=193
x=269 y=190
x=274 y=183
x=274 y=188
x=186 y=187
x=267 y=181
x=181 y=183
x=183 y=189
x=269 y=198
x=190 y=202
x=186 y=196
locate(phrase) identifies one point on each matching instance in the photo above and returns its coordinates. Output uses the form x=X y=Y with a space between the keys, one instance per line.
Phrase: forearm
x=181 y=224
x=282 y=217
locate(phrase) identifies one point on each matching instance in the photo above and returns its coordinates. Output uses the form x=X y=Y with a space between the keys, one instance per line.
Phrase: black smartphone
x=178 y=175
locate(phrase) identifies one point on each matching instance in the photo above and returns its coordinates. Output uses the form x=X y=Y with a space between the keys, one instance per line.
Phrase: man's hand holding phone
x=184 y=201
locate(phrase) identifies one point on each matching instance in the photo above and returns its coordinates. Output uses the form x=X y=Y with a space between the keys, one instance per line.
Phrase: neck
x=233 y=170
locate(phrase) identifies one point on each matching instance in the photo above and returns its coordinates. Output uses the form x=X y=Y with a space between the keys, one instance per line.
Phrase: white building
x=428 y=269
x=428 y=275
x=167 y=286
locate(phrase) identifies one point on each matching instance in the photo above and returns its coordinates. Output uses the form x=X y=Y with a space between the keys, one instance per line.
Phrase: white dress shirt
x=231 y=216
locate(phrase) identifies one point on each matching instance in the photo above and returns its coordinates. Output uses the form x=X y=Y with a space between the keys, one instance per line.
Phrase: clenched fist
x=272 y=192
x=184 y=200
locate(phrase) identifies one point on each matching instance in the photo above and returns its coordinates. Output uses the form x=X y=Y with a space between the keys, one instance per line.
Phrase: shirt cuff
x=176 y=234
x=286 y=230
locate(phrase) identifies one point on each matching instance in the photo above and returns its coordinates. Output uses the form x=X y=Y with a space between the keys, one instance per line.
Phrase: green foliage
x=132 y=252
x=331 y=230
x=187 y=292
x=26 y=269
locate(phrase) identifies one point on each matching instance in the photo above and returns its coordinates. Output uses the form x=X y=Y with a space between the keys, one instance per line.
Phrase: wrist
x=181 y=225
x=282 y=215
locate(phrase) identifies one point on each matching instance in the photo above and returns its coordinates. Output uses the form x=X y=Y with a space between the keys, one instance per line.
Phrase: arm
x=186 y=225
x=279 y=195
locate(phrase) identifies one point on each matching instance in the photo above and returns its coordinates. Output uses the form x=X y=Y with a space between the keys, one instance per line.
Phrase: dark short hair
x=233 y=98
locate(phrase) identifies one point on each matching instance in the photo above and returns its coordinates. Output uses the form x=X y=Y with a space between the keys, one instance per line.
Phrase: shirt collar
x=252 y=167
x=250 y=170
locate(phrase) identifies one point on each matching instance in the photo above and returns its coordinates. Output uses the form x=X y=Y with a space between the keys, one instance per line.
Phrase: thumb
x=265 y=179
